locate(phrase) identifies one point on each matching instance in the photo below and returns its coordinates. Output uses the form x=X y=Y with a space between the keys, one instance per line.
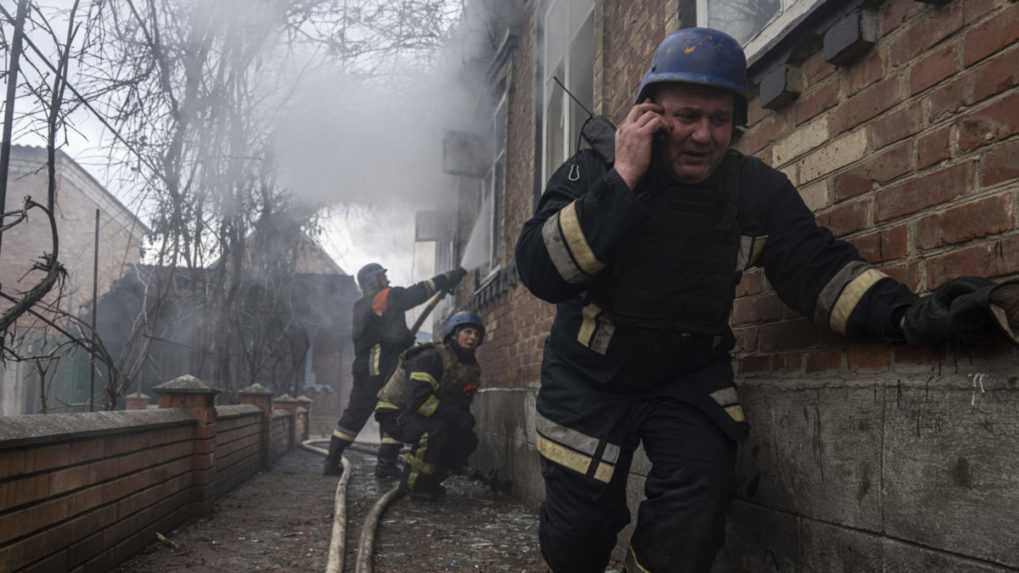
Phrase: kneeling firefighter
x=380 y=335
x=427 y=401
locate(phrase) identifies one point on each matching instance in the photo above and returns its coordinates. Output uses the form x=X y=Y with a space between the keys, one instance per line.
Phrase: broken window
x=569 y=56
x=754 y=23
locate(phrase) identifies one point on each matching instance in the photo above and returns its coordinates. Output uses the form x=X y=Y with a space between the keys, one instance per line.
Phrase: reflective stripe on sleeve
x=596 y=329
x=428 y=407
x=387 y=439
x=376 y=356
x=750 y=250
x=569 y=250
x=728 y=399
x=421 y=376
x=345 y=436
x=386 y=405
x=843 y=292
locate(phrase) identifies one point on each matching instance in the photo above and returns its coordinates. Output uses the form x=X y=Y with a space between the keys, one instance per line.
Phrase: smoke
x=371 y=148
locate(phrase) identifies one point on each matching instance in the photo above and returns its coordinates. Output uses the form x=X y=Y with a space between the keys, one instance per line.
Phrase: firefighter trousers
x=363 y=397
x=680 y=524
x=439 y=444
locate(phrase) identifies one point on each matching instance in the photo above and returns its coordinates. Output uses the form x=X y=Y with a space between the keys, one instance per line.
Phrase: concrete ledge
x=226 y=412
x=20 y=431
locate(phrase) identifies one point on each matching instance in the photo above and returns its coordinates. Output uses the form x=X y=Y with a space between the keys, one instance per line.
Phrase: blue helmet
x=462 y=319
x=700 y=56
x=366 y=277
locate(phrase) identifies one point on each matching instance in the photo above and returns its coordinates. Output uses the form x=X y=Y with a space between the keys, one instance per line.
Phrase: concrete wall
x=863 y=457
x=83 y=492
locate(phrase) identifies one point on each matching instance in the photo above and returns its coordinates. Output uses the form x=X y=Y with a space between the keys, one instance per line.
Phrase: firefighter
x=427 y=402
x=380 y=335
x=641 y=243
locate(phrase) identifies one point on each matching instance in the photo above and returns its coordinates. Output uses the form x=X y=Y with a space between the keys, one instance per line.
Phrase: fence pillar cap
x=286 y=399
x=255 y=390
x=303 y=399
x=186 y=384
x=138 y=395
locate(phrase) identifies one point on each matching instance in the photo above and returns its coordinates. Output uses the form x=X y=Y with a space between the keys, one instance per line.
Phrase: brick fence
x=83 y=492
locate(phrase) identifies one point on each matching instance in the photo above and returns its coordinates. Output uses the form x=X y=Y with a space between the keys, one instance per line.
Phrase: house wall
x=862 y=457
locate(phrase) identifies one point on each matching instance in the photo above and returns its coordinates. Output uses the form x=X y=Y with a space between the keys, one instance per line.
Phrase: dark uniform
x=426 y=403
x=380 y=335
x=644 y=282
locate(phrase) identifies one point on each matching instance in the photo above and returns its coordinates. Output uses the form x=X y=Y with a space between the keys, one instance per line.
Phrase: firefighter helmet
x=700 y=56
x=367 y=277
x=460 y=320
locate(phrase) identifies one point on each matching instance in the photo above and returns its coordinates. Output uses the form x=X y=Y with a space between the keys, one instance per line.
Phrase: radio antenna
x=573 y=97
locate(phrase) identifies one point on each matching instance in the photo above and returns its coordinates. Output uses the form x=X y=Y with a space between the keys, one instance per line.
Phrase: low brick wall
x=238 y=451
x=83 y=492
x=280 y=434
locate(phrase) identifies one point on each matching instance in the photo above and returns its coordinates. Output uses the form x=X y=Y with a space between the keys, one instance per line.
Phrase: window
x=495 y=181
x=754 y=23
x=569 y=56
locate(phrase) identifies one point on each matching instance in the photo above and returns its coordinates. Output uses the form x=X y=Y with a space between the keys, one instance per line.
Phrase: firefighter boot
x=332 y=466
x=386 y=468
x=427 y=488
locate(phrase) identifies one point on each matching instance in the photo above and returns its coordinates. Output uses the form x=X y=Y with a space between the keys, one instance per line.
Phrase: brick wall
x=83 y=492
x=862 y=456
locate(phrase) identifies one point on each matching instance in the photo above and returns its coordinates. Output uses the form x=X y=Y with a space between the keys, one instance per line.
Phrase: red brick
x=746 y=340
x=974 y=10
x=907 y=354
x=847 y=217
x=976 y=260
x=867 y=104
x=989 y=216
x=765 y=307
x=906 y=273
x=865 y=72
x=816 y=69
x=925 y=191
x=761 y=135
x=925 y=32
x=816 y=101
x=885 y=245
x=991 y=36
x=947 y=100
x=933 y=147
x=754 y=364
x=933 y=68
x=789 y=361
x=894 y=14
x=823 y=360
x=1000 y=163
x=994 y=76
x=787 y=336
x=893 y=163
x=896 y=125
x=989 y=124
x=869 y=356
x=755 y=112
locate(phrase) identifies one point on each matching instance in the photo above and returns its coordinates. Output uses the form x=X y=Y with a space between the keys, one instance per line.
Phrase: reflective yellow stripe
x=344 y=436
x=575 y=461
x=424 y=377
x=376 y=356
x=386 y=405
x=588 y=324
x=633 y=565
x=387 y=439
x=429 y=406
x=736 y=412
x=850 y=297
x=575 y=240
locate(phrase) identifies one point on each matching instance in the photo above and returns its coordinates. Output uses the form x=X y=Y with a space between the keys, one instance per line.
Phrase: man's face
x=468 y=337
x=382 y=280
x=700 y=121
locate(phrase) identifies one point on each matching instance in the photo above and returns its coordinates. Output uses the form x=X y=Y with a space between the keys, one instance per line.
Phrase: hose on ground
x=366 y=549
x=337 y=540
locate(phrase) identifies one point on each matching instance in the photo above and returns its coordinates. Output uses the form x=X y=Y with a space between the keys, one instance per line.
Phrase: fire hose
x=366 y=545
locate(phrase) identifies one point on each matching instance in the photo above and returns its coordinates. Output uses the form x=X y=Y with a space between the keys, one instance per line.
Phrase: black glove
x=956 y=311
x=454 y=277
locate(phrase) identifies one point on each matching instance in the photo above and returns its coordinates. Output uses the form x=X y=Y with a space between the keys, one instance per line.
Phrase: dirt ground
x=281 y=520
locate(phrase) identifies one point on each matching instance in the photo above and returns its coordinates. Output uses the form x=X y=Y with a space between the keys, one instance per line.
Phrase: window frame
x=792 y=14
x=575 y=24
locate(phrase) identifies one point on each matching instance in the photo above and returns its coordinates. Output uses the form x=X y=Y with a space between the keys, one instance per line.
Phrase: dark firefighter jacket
x=589 y=224
x=380 y=326
x=431 y=381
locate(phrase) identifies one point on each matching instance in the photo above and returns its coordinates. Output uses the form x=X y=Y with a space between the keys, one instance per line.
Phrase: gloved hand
x=958 y=310
x=454 y=277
